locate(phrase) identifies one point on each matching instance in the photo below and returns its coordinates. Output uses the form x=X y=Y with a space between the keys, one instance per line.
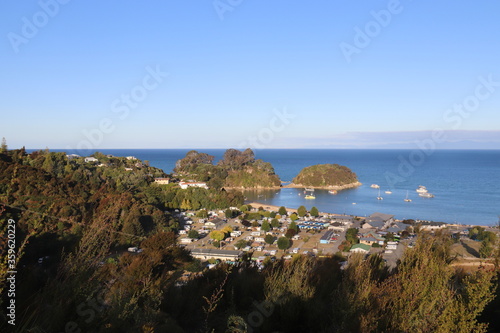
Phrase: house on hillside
x=360 y=248
x=371 y=238
x=379 y=221
x=214 y=224
x=397 y=228
x=162 y=181
x=91 y=160
x=185 y=185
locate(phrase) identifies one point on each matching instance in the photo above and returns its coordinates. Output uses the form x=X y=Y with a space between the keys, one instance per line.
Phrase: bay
x=466 y=183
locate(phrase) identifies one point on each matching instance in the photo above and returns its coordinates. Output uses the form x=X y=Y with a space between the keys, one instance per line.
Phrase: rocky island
x=236 y=170
x=326 y=176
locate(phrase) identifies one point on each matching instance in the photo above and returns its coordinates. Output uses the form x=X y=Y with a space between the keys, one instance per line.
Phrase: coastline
x=333 y=187
x=253 y=188
x=256 y=204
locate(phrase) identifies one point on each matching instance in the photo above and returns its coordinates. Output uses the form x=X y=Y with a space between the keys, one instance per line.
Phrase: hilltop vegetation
x=325 y=176
x=65 y=195
x=237 y=169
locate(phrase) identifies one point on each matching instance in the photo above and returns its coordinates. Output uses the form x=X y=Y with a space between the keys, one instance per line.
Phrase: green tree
x=302 y=211
x=486 y=250
x=240 y=244
x=269 y=239
x=283 y=243
x=228 y=213
x=3 y=147
x=193 y=234
x=294 y=217
x=217 y=235
x=314 y=212
x=265 y=226
x=275 y=223
x=244 y=208
x=351 y=235
x=203 y=214
x=282 y=211
x=293 y=226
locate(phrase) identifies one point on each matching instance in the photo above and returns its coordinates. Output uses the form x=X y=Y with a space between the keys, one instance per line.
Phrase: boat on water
x=374 y=186
x=421 y=189
x=332 y=192
x=309 y=195
x=426 y=195
x=379 y=197
x=388 y=192
x=407 y=200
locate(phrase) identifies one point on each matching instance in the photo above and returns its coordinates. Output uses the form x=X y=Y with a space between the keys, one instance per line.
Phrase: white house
x=186 y=240
x=185 y=185
x=91 y=159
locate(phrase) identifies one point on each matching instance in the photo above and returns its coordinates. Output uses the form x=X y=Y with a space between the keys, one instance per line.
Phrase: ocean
x=466 y=183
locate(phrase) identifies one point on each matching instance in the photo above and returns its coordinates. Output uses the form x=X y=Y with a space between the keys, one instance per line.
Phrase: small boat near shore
x=379 y=197
x=374 y=186
x=332 y=192
x=311 y=195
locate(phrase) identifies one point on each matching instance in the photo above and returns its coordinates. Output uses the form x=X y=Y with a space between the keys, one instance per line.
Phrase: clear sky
x=258 y=73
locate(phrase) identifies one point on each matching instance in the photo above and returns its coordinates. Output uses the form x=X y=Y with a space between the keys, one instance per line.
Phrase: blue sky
x=259 y=73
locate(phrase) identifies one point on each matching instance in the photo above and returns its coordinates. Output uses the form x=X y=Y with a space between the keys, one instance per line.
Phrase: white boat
x=407 y=200
x=388 y=192
x=374 y=186
x=421 y=189
x=332 y=192
x=426 y=195
x=379 y=197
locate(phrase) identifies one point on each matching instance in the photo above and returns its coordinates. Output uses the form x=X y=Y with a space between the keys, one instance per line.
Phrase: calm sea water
x=466 y=183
